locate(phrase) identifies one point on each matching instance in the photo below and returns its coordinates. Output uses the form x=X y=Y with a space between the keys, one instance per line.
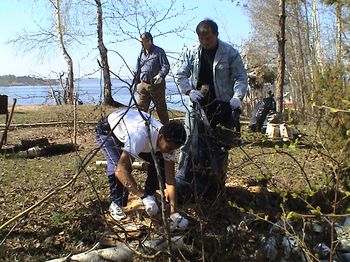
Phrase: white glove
x=157 y=79
x=235 y=102
x=195 y=95
x=150 y=205
x=178 y=222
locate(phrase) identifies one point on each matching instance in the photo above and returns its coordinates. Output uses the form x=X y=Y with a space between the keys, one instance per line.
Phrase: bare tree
x=107 y=84
x=45 y=37
x=281 y=39
x=133 y=17
x=68 y=97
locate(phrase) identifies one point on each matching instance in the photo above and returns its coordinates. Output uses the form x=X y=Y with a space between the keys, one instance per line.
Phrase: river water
x=89 y=91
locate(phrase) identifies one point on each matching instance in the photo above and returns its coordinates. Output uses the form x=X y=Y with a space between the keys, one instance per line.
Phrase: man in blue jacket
x=153 y=66
x=212 y=74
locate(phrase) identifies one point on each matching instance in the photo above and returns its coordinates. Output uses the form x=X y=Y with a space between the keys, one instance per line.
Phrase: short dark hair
x=207 y=26
x=147 y=35
x=174 y=132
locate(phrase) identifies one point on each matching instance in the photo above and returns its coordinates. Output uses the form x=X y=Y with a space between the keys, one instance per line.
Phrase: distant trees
x=317 y=80
x=312 y=42
x=12 y=80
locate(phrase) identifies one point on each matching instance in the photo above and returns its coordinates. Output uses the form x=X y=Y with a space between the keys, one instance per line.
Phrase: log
x=28 y=143
x=40 y=124
x=49 y=150
x=142 y=166
x=123 y=253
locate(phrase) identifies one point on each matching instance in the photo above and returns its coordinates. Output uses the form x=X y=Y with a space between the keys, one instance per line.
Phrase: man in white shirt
x=135 y=134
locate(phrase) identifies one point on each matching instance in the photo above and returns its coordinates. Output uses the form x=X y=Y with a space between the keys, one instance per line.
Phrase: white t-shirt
x=131 y=130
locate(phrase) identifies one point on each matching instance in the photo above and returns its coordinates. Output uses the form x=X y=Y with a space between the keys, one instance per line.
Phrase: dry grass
x=72 y=220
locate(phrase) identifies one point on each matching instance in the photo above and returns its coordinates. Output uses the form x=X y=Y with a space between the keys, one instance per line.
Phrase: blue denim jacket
x=153 y=63
x=230 y=77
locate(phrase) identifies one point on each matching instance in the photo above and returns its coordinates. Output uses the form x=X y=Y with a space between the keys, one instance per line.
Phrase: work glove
x=150 y=205
x=157 y=79
x=195 y=95
x=235 y=102
x=178 y=222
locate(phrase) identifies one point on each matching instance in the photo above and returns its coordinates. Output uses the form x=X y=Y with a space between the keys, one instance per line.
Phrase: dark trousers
x=110 y=147
x=156 y=93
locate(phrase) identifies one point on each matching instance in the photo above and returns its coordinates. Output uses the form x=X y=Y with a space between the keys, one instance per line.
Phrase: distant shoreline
x=11 y=80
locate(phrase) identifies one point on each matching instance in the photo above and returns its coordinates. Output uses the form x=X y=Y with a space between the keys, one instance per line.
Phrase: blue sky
x=18 y=15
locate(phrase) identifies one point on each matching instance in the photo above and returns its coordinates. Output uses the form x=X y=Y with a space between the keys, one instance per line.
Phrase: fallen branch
x=49 y=124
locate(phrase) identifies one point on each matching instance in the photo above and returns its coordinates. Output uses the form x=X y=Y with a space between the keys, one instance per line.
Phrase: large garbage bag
x=265 y=107
x=204 y=171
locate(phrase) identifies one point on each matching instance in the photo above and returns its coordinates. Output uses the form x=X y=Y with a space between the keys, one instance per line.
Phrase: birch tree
x=58 y=33
x=60 y=37
x=316 y=37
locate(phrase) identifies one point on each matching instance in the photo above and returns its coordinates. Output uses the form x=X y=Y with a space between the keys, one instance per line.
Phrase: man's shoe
x=116 y=212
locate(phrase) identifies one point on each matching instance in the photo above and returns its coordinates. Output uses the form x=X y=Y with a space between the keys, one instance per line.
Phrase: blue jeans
x=111 y=151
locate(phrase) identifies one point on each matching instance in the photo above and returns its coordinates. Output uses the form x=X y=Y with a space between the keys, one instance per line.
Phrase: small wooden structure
x=279 y=131
x=4 y=111
x=4 y=106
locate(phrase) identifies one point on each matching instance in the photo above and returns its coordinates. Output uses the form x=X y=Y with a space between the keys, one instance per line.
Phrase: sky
x=17 y=15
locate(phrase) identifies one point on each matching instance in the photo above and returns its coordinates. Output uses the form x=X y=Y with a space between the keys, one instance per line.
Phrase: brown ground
x=262 y=177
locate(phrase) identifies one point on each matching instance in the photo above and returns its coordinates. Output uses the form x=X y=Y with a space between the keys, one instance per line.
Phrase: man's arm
x=164 y=63
x=123 y=173
x=169 y=168
x=183 y=73
x=239 y=75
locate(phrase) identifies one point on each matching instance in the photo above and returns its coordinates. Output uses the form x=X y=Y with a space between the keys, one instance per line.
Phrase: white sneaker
x=116 y=212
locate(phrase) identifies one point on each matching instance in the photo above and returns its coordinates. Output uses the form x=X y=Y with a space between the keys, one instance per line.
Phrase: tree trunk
x=107 y=86
x=302 y=57
x=59 y=28
x=316 y=35
x=338 y=13
x=281 y=38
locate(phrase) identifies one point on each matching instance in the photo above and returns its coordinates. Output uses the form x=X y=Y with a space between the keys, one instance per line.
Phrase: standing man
x=126 y=134
x=212 y=74
x=153 y=66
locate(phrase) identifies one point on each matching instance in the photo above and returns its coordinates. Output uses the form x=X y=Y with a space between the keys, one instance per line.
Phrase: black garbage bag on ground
x=266 y=106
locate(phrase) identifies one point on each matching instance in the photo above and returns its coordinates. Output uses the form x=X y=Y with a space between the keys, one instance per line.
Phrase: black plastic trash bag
x=266 y=106
x=205 y=172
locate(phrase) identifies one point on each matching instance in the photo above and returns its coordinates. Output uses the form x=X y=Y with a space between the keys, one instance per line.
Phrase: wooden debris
x=36 y=151
x=124 y=253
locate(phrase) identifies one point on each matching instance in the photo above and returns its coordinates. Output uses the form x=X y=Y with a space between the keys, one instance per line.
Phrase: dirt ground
x=266 y=180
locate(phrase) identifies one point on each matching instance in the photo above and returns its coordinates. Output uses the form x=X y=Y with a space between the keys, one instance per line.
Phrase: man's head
x=146 y=40
x=171 y=136
x=207 y=31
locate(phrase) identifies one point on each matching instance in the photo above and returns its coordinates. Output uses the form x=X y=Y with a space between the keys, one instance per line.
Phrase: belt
x=145 y=82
